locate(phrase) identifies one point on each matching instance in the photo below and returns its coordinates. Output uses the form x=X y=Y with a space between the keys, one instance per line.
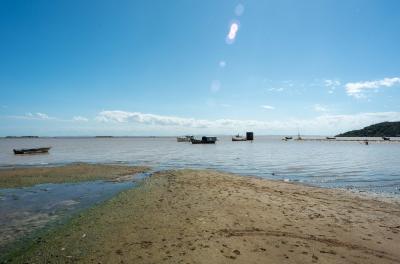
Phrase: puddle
x=26 y=210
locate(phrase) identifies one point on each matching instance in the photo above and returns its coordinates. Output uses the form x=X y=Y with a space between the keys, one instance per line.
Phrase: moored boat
x=31 y=151
x=330 y=138
x=204 y=140
x=184 y=139
x=239 y=138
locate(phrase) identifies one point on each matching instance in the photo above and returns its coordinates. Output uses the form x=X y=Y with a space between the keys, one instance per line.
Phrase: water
x=374 y=168
x=25 y=210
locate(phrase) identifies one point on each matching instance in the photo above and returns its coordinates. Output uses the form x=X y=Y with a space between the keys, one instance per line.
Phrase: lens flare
x=239 y=9
x=234 y=28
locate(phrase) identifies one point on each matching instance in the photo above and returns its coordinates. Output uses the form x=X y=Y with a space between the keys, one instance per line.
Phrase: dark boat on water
x=31 y=151
x=204 y=140
x=386 y=138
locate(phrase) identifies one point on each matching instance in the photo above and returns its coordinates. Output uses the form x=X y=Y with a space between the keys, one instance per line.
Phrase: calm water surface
x=374 y=168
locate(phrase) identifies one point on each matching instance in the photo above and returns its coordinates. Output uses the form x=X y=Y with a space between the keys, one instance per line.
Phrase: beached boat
x=184 y=138
x=204 y=140
x=239 y=138
x=31 y=151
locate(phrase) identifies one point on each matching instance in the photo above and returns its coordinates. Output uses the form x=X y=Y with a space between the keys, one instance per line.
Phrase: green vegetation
x=384 y=129
x=79 y=172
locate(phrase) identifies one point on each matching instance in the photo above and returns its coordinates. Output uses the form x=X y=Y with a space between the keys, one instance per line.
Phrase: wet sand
x=193 y=216
x=78 y=172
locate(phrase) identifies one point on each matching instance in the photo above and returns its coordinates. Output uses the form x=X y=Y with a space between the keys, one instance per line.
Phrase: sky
x=130 y=68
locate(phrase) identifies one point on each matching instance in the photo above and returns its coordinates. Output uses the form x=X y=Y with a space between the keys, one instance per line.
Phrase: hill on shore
x=384 y=129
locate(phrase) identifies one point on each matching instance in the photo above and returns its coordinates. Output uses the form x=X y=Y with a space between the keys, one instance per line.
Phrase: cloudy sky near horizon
x=216 y=67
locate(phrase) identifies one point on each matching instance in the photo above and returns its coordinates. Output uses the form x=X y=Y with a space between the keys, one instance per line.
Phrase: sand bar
x=77 y=172
x=193 y=216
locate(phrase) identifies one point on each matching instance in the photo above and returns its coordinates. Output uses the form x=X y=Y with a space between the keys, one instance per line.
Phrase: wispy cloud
x=331 y=85
x=356 y=89
x=278 y=90
x=33 y=116
x=320 y=108
x=268 y=107
x=46 y=117
x=321 y=124
x=80 y=119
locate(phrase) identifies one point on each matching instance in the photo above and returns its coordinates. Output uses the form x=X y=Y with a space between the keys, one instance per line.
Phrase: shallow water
x=25 y=210
x=373 y=168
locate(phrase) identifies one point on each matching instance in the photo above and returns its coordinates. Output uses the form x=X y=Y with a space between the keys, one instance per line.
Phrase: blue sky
x=177 y=67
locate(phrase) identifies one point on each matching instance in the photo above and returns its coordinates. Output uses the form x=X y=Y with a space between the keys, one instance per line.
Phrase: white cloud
x=320 y=108
x=356 y=89
x=80 y=119
x=332 y=85
x=215 y=86
x=268 y=107
x=33 y=116
x=42 y=116
x=320 y=124
x=278 y=90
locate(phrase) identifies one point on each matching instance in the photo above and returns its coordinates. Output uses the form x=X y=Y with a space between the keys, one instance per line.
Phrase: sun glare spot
x=230 y=38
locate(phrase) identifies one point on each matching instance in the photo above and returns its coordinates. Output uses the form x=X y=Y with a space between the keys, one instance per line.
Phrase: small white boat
x=239 y=138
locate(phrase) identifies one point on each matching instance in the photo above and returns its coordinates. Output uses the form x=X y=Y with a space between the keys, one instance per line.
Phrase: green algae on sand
x=77 y=172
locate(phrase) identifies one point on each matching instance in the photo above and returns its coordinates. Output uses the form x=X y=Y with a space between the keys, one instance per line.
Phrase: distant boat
x=239 y=138
x=330 y=138
x=31 y=151
x=287 y=138
x=386 y=138
x=204 y=140
x=184 y=138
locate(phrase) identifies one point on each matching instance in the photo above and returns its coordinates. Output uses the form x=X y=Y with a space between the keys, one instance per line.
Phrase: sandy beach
x=193 y=216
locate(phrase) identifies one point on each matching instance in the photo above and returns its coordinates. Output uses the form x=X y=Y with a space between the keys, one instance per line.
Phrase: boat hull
x=204 y=140
x=31 y=151
x=201 y=142
x=239 y=139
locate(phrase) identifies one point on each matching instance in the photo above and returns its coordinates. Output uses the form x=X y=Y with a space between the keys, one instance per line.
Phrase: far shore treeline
x=384 y=129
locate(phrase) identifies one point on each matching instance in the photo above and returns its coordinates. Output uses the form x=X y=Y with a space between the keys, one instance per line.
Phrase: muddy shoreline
x=202 y=216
